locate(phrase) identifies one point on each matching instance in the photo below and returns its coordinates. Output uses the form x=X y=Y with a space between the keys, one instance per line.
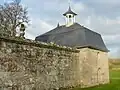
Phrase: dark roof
x=69 y=12
x=74 y=36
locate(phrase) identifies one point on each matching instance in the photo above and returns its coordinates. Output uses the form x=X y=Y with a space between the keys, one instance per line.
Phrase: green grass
x=114 y=83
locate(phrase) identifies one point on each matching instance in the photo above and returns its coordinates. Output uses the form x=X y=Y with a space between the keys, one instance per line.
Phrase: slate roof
x=69 y=12
x=74 y=36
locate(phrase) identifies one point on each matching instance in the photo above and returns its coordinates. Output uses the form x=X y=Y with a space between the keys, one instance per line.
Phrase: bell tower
x=70 y=17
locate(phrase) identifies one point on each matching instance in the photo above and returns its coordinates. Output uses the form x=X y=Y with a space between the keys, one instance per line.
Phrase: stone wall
x=30 y=65
x=95 y=68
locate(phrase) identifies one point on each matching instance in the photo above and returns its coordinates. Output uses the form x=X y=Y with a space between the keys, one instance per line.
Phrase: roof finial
x=69 y=1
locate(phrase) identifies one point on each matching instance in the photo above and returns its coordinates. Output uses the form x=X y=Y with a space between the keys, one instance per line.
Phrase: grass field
x=114 y=83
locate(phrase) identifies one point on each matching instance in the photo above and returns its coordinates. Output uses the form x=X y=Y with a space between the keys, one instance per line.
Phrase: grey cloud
x=104 y=7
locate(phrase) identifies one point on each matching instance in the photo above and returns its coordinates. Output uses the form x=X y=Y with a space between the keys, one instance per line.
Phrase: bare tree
x=12 y=15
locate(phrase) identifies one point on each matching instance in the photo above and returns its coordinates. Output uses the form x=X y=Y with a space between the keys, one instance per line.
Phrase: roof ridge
x=55 y=29
x=91 y=30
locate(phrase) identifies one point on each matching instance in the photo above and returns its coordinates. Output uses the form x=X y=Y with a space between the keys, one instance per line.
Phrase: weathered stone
x=28 y=65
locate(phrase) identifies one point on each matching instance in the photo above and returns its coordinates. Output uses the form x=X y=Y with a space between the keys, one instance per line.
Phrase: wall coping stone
x=30 y=42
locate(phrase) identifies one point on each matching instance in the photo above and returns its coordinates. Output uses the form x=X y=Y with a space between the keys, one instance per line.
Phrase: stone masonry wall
x=95 y=68
x=30 y=65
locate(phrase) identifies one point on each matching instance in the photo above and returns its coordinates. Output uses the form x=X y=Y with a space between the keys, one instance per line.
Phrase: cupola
x=70 y=17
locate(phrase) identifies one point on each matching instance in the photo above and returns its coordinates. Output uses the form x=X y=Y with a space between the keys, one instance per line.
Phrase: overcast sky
x=102 y=16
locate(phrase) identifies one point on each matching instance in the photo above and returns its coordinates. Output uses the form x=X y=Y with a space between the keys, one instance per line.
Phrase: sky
x=102 y=16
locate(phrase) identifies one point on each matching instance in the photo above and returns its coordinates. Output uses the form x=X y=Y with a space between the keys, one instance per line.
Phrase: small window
x=70 y=16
